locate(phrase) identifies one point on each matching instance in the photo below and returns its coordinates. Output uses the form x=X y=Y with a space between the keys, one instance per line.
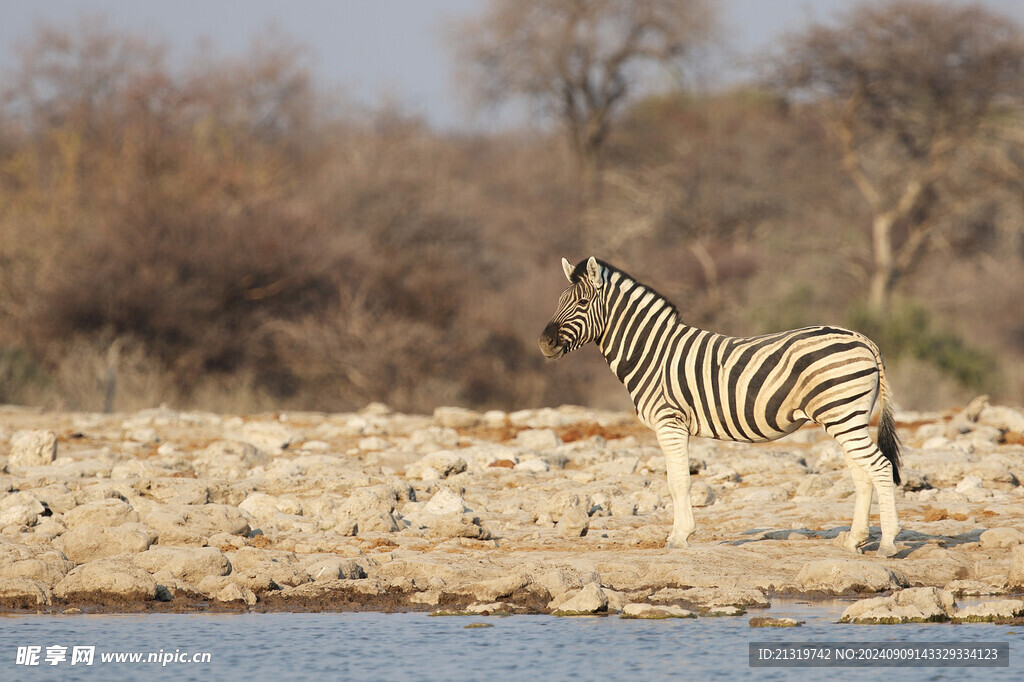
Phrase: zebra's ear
x=594 y=273
x=567 y=267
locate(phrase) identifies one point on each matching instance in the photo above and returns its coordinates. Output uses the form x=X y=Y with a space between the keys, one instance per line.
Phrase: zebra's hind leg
x=674 y=441
x=860 y=528
x=869 y=468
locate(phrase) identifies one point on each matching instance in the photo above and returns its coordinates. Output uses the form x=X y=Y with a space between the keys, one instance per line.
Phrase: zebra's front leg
x=674 y=441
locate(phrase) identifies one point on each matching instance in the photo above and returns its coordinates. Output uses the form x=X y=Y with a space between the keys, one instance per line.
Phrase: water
x=415 y=646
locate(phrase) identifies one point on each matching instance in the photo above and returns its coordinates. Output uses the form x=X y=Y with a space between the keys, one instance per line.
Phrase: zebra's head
x=580 y=315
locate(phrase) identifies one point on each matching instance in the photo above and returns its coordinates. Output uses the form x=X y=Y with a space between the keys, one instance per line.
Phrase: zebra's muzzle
x=549 y=343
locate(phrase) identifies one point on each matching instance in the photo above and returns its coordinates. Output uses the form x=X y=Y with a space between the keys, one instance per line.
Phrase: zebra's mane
x=580 y=272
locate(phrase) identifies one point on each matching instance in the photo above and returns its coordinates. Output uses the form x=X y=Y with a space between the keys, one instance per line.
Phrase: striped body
x=686 y=381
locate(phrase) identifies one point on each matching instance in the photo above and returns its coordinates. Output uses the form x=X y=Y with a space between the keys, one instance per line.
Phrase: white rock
x=538 y=439
x=115 y=577
x=969 y=483
x=456 y=417
x=532 y=466
x=996 y=538
x=19 y=588
x=228 y=459
x=590 y=599
x=701 y=494
x=434 y=438
x=235 y=592
x=1015 y=577
x=32 y=448
x=573 y=523
x=988 y=611
x=495 y=418
x=436 y=465
x=109 y=512
x=1003 y=418
x=190 y=564
x=22 y=508
x=653 y=612
x=143 y=435
x=268 y=436
x=836 y=576
x=912 y=605
x=445 y=502
x=370 y=444
x=264 y=507
x=647 y=502
x=89 y=543
x=559 y=581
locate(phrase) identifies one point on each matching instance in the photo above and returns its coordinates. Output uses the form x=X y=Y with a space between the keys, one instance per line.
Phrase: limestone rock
x=559 y=581
x=989 y=611
x=573 y=523
x=332 y=567
x=1015 y=578
x=999 y=538
x=427 y=597
x=190 y=564
x=267 y=436
x=532 y=466
x=912 y=605
x=701 y=494
x=455 y=526
x=761 y=622
x=439 y=464
x=653 y=612
x=233 y=592
x=970 y=588
x=264 y=507
x=114 y=577
x=110 y=512
x=457 y=417
x=588 y=600
x=445 y=502
x=1003 y=418
x=20 y=509
x=32 y=448
x=83 y=544
x=43 y=564
x=538 y=439
x=712 y=597
x=496 y=608
x=228 y=459
x=265 y=567
x=836 y=576
x=192 y=523
x=496 y=588
x=18 y=590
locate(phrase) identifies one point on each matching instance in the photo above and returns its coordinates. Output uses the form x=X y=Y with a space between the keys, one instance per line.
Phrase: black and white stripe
x=686 y=381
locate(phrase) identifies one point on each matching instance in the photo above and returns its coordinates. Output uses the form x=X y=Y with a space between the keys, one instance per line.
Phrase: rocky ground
x=555 y=510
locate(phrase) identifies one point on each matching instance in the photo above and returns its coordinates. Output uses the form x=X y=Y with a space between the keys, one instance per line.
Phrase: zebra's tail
x=888 y=439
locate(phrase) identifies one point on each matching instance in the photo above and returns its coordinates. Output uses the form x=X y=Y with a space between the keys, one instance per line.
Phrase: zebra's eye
x=583 y=303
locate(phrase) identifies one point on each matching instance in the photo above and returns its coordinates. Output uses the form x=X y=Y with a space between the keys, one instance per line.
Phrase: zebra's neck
x=636 y=316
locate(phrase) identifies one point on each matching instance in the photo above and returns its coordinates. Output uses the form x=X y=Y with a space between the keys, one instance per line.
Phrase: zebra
x=687 y=382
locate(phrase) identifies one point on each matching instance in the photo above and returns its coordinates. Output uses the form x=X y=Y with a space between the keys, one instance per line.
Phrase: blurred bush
x=226 y=237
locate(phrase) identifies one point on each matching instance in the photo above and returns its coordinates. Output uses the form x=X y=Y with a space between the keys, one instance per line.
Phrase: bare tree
x=906 y=90
x=577 y=59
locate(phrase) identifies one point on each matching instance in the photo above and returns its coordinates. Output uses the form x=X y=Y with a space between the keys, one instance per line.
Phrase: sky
x=372 y=51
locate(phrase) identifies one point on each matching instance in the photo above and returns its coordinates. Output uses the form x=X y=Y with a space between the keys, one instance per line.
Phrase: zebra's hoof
x=677 y=543
x=854 y=545
x=887 y=550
